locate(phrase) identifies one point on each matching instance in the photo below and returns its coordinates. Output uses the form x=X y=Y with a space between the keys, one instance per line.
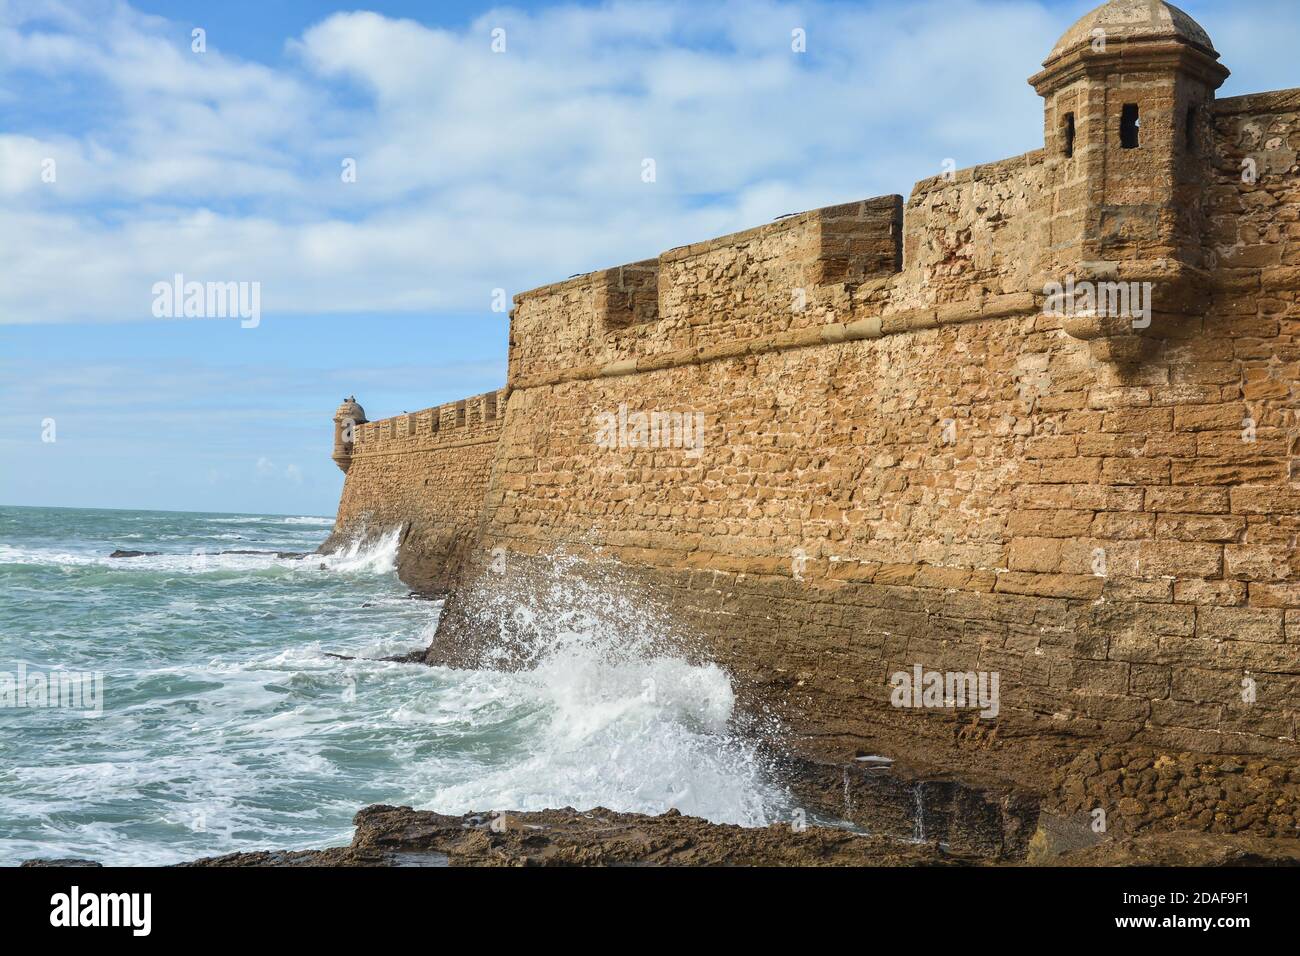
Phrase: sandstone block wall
x=906 y=459
x=921 y=467
x=425 y=473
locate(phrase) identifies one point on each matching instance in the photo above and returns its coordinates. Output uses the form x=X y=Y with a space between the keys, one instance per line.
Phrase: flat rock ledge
x=399 y=836
x=402 y=837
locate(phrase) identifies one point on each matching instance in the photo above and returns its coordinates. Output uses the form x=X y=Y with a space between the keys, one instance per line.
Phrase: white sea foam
x=196 y=562
x=12 y=555
x=641 y=737
x=369 y=556
x=613 y=709
x=273 y=520
x=374 y=557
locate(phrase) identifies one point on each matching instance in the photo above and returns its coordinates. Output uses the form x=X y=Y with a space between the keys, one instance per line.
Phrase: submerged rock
x=276 y=554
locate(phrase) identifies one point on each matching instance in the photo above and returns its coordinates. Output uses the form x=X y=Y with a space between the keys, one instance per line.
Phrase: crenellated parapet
x=770 y=279
x=422 y=475
x=451 y=423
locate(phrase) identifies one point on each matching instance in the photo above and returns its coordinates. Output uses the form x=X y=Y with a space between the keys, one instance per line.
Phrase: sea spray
x=366 y=555
x=628 y=712
x=520 y=611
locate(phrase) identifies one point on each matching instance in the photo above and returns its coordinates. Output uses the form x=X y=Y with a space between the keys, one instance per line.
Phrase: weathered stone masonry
x=907 y=460
x=424 y=473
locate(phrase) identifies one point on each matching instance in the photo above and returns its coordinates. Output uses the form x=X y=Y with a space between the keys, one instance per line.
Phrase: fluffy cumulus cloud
x=475 y=170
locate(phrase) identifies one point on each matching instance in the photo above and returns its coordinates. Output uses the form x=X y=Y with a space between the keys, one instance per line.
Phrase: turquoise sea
x=225 y=724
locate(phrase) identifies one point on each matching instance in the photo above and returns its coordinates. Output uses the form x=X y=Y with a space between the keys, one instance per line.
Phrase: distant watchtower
x=346 y=419
x=1126 y=93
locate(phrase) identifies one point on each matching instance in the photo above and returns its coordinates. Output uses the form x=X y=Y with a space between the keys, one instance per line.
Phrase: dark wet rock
x=894 y=799
x=68 y=862
x=341 y=856
x=134 y=554
x=276 y=554
x=413 y=657
x=1185 y=849
x=400 y=836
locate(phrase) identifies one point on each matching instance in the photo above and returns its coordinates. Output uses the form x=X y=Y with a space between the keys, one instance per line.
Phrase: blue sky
x=476 y=171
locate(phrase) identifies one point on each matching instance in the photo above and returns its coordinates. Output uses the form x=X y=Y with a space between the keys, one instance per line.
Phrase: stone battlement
x=452 y=422
x=736 y=287
x=423 y=473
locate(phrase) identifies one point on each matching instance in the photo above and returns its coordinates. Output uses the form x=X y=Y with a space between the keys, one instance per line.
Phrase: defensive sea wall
x=425 y=475
x=911 y=455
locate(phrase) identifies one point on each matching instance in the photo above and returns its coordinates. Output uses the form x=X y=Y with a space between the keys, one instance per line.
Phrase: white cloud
x=479 y=170
x=266 y=468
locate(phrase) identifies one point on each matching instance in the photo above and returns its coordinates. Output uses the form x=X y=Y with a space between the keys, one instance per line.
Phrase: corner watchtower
x=346 y=419
x=1127 y=92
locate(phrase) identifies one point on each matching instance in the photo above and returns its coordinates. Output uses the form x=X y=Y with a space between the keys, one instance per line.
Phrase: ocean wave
x=10 y=555
x=642 y=737
x=364 y=555
x=197 y=562
x=273 y=520
x=230 y=723
x=612 y=706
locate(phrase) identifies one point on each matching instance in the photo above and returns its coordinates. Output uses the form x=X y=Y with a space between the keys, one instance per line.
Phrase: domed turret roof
x=1135 y=20
x=350 y=409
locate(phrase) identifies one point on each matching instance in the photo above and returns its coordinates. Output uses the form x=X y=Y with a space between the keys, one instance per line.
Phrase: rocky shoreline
x=1157 y=809
x=402 y=837
x=963 y=798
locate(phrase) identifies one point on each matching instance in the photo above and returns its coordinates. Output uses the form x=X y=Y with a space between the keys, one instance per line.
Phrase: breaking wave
x=376 y=555
x=624 y=710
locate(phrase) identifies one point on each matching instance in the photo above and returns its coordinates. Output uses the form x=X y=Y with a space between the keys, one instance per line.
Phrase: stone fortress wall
x=909 y=458
x=423 y=474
